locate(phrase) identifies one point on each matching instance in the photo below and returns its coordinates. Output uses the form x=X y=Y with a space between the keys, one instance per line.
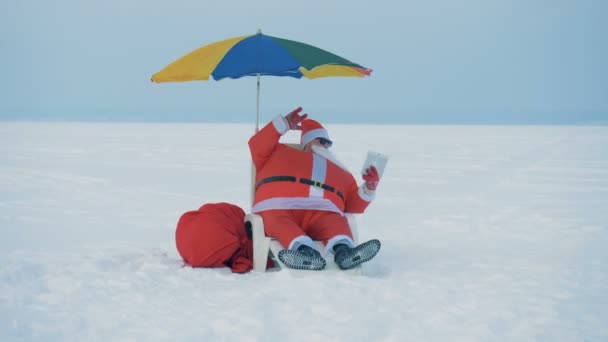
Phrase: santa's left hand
x=371 y=178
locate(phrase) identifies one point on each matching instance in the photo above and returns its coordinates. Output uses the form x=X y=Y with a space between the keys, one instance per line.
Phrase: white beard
x=329 y=155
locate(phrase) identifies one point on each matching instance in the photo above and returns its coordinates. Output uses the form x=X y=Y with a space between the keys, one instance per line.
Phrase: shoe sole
x=360 y=254
x=298 y=261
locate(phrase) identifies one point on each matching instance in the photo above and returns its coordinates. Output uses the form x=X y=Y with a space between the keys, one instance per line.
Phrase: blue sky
x=470 y=61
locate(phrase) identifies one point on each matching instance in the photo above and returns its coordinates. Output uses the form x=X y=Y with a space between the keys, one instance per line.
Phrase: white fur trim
x=280 y=125
x=314 y=134
x=345 y=239
x=319 y=172
x=301 y=240
x=310 y=203
x=367 y=194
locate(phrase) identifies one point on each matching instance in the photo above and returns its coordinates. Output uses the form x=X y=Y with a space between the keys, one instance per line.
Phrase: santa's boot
x=305 y=258
x=347 y=257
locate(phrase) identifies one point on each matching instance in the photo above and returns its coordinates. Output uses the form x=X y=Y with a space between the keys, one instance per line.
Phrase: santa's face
x=320 y=142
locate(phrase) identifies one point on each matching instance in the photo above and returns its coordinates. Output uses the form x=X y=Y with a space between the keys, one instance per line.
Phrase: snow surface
x=489 y=234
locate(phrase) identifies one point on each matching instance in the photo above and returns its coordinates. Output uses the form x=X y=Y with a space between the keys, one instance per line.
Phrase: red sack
x=214 y=236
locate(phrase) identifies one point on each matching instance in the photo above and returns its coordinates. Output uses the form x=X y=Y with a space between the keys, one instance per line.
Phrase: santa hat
x=312 y=130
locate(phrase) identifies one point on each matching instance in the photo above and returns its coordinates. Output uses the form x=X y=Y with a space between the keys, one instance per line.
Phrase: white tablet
x=376 y=159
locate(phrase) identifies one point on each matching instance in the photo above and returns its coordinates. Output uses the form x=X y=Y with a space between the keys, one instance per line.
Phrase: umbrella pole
x=257 y=128
x=257 y=108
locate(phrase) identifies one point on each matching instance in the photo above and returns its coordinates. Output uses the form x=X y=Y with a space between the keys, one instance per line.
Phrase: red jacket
x=214 y=236
x=336 y=188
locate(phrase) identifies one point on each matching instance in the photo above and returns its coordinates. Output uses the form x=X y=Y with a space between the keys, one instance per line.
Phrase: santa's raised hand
x=294 y=119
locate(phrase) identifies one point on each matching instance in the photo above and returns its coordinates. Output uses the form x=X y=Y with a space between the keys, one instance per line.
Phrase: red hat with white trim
x=312 y=130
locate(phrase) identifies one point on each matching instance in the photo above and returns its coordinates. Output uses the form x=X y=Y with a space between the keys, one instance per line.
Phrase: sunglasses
x=325 y=142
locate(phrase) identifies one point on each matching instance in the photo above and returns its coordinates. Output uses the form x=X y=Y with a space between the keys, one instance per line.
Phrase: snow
x=490 y=233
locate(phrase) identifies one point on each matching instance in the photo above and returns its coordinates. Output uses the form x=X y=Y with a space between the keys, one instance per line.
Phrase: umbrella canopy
x=256 y=55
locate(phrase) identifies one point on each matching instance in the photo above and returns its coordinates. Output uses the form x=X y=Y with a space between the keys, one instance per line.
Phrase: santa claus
x=302 y=195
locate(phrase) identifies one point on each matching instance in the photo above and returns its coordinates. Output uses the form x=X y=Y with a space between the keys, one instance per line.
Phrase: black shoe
x=305 y=258
x=347 y=258
x=309 y=251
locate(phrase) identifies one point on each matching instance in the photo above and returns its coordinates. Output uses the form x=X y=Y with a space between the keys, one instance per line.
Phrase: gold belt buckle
x=318 y=184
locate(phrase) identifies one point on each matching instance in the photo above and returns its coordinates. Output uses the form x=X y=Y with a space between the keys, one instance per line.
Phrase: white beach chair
x=264 y=246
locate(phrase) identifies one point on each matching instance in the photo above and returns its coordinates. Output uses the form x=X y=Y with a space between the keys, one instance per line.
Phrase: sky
x=434 y=62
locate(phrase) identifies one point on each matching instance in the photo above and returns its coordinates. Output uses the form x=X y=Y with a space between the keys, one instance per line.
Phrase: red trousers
x=287 y=224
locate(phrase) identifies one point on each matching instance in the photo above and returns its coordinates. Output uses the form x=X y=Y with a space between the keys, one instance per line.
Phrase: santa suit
x=302 y=195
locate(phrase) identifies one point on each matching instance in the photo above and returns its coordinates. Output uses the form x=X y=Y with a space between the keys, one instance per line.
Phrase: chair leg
x=352 y=223
x=261 y=243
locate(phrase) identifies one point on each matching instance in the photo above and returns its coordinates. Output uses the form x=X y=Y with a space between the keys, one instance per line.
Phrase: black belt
x=302 y=180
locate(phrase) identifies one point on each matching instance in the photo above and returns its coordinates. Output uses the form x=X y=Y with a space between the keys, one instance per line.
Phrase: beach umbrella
x=258 y=55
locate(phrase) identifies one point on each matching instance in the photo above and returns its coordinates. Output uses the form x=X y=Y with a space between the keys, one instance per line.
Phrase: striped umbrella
x=258 y=55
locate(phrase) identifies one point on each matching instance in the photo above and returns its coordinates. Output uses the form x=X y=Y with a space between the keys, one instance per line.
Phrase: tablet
x=376 y=159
